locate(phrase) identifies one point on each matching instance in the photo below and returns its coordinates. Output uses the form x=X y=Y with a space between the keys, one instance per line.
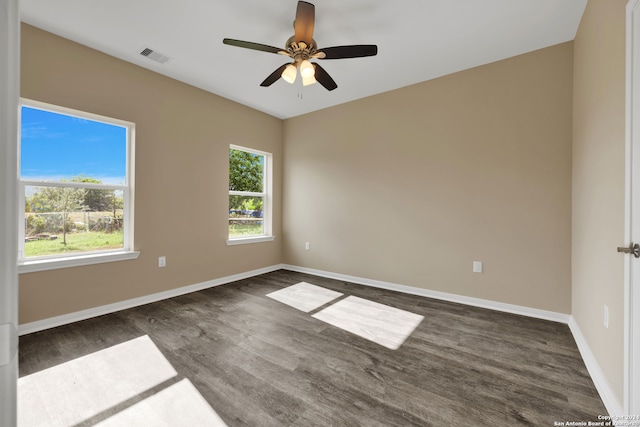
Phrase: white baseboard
x=77 y=316
x=611 y=402
x=476 y=302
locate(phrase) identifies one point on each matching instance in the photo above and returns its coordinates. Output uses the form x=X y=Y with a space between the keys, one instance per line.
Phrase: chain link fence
x=47 y=225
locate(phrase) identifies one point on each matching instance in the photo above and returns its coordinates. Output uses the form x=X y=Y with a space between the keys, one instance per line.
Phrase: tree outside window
x=248 y=195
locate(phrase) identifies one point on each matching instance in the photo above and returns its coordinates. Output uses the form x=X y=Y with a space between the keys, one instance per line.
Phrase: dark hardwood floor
x=259 y=362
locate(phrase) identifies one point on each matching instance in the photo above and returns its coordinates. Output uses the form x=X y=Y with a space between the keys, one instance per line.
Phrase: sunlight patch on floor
x=83 y=389
x=304 y=296
x=179 y=405
x=382 y=324
x=74 y=391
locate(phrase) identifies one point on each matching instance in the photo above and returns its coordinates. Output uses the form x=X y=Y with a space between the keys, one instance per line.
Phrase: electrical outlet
x=162 y=261
x=477 y=266
x=307 y=246
x=606 y=317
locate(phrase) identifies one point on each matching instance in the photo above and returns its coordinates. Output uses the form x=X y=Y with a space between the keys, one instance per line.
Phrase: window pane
x=246 y=216
x=246 y=171
x=56 y=147
x=61 y=220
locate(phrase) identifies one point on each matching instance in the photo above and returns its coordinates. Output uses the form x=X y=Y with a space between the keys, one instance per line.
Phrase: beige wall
x=412 y=185
x=598 y=183
x=182 y=140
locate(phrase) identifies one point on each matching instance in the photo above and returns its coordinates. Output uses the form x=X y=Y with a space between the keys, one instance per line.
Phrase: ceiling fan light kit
x=301 y=47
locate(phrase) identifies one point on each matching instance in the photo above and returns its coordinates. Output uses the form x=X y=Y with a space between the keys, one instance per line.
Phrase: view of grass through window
x=60 y=220
x=246 y=193
x=73 y=182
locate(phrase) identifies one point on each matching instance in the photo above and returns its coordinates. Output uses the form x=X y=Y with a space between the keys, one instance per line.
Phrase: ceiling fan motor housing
x=300 y=51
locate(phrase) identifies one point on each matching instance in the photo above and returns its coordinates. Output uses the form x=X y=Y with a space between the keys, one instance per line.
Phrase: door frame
x=631 y=402
x=9 y=99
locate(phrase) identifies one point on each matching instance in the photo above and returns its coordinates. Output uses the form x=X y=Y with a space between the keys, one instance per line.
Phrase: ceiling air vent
x=153 y=55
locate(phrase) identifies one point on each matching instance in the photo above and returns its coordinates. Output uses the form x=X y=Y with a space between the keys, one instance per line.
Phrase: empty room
x=425 y=217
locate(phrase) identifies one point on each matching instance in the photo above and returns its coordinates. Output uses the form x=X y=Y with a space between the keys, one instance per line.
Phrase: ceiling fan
x=301 y=47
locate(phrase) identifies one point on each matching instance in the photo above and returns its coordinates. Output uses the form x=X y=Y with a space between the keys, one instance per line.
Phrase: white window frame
x=267 y=197
x=50 y=262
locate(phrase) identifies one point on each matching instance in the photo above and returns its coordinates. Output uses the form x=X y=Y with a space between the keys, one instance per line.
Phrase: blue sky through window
x=56 y=146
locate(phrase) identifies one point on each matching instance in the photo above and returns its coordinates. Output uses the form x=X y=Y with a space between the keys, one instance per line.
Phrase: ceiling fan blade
x=273 y=77
x=303 y=25
x=324 y=78
x=251 y=45
x=352 y=51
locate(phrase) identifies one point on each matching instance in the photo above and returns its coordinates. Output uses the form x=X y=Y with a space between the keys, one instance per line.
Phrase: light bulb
x=289 y=74
x=307 y=69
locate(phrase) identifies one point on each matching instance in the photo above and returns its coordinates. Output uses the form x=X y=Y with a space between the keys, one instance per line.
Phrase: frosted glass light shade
x=306 y=81
x=307 y=69
x=289 y=74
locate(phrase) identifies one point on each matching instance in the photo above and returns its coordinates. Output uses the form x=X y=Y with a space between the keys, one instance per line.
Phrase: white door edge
x=631 y=403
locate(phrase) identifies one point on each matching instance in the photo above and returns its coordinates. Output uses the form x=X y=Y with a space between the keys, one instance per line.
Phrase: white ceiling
x=417 y=40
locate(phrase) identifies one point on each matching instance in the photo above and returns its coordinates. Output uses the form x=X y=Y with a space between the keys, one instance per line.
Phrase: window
x=249 y=195
x=76 y=186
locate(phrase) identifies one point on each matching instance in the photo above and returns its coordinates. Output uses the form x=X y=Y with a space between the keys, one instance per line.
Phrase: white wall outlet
x=606 y=317
x=477 y=266
x=162 y=261
x=307 y=246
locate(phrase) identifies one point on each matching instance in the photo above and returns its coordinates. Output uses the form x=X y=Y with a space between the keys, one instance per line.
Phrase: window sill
x=245 y=240
x=32 y=266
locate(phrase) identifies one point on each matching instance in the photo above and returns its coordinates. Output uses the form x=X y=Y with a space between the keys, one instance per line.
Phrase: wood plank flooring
x=259 y=362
